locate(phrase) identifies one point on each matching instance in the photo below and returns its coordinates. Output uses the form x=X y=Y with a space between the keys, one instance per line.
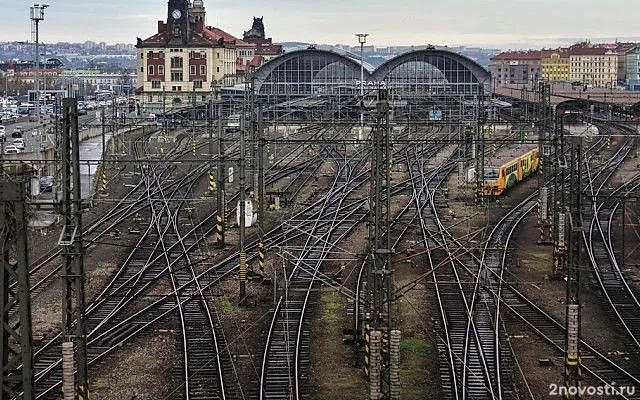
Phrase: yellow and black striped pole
x=220 y=230
x=83 y=394
x=242 y=274
x=367 y=329
x=261 y=259
x=103 y=180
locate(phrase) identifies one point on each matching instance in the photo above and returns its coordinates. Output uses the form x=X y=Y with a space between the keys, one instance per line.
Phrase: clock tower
x=178 y=21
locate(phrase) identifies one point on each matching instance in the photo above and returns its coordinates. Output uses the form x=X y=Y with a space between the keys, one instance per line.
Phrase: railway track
x=470 y=356
x=138 y=272
x=508 y=297
x=492 y=283
x=494 y=259
x=602 y=369
x=601 y=250
x=132 y=203
x=112 y=326
x=286 y=356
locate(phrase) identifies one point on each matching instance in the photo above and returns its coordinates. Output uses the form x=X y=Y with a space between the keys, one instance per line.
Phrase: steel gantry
x=383 y=344
x=544 y=122
x=558 y=196
x=574 y=225
x=73 y=312
x=17 y=344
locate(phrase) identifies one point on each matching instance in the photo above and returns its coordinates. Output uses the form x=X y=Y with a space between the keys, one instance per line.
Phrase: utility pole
x=573 y=363
x=16 y=347
x=545 y=130
x=380 y=270
x=481 y=119
x=220 y=218
x=560 y=256
x=253 y=138
x=164 y=112
x=193 y=120
x=37 y=15
x=212 y=179
x=241 y=220
x=261 y=208
x=103 y=132
x=114 y=126
x=362 y=39
x=73 y=312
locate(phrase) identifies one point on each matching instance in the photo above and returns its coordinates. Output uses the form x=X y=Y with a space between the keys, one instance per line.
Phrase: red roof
x=256 y=61
x=216 y=34
x=589 y=51
x=583 y=48
x=251 y=65
x=199 y=36
x=522 y=55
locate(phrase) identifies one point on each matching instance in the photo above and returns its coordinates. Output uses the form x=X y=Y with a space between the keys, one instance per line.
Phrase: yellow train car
x=516 y=168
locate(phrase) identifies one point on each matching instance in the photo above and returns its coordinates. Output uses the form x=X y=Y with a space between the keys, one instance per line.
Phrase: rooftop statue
x=257 y=29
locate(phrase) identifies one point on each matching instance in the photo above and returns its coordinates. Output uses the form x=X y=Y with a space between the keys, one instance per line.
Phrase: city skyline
x=495 y=24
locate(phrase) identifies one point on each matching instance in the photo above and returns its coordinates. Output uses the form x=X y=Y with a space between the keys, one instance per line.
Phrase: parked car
x=17 y=132
x=46 y=183
x=11 y=149
x=19 y=143
x=3 y=132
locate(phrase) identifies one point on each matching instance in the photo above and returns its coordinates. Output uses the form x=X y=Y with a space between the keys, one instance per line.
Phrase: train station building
x=186 y=60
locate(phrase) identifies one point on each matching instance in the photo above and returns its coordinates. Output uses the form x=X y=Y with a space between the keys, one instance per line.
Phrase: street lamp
x=362 y=39
x=37 y=15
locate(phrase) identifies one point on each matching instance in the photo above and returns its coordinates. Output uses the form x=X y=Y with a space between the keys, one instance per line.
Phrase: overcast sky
x=495 y=23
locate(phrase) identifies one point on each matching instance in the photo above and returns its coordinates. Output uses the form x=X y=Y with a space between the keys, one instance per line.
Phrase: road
x=33 y=143
x=90 y=150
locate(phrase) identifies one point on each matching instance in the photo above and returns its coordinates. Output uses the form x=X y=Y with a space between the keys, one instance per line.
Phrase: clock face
x=176 y=14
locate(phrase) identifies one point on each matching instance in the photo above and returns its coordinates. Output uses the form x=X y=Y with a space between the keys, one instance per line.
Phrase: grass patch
x=99 y=383
x=413 y=369
x=538 y=260
x=226 y=307
x=335 y=378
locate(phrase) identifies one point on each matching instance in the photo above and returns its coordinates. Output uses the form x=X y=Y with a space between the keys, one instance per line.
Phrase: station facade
x=430 y=83
x=186 y=60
